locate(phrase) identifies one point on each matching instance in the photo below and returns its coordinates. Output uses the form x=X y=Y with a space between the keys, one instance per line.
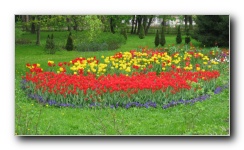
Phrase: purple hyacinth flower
x=217 y=90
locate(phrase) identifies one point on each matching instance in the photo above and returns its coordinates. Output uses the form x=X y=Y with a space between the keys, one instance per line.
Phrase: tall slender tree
x=178 y=37
x=190 y=22
x=156 y=41
x=186 y=21
x=162 y=39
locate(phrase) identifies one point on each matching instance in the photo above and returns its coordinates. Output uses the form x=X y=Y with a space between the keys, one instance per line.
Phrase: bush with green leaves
x=69 y=45
x=162 y=39
x=105 y=41
x=50 y=45
x=142 y=32
x=114 y=41
x=92 y=46
x=156 y=41
x=178 y=37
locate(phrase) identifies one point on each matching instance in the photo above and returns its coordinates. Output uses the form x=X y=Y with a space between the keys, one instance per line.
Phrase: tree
x=134 y=32
x=162 y=39
x=69 y=44
x=38 y=26
x=156 y=42
x=213 y=30
x=139 y=25
x=149 y=24
x=190 y=21
x=118 y=21
x=178 y=37
x=142 y=32
x=33 y=27
x=132 y=24
x=93 y=27
x=166 y=18
x=138 y=20
x=112 y=25
x=38 y=21
x=186 y=20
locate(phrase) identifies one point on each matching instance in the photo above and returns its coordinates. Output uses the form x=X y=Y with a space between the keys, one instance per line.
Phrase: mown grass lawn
x=210 y=117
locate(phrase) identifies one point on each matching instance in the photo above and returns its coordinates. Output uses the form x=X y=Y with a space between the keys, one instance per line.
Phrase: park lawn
x=210 y=117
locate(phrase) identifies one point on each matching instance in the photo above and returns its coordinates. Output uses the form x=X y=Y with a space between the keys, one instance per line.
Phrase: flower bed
x=144 y=78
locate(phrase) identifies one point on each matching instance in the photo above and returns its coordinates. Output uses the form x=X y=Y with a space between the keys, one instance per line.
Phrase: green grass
x=210 y=117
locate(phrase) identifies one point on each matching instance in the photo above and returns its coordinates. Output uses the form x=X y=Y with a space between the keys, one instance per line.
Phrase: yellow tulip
x=61 y=69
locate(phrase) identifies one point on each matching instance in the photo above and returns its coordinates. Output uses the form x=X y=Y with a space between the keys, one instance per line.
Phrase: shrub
x=114 y=41
x=50 y=45
x=105 y=41
x=69 y=45
x=92 y=46
x=162 y=39
x=178 y=37
x=142 y=32
x=156 y=39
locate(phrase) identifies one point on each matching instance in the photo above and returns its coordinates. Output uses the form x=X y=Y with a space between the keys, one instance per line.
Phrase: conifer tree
x=69 y=45
x=187 y=38
x=48 y=41
x=212 y=30
x=156 y=39
x=162 y=39
x=178 y=37
x=50 y=45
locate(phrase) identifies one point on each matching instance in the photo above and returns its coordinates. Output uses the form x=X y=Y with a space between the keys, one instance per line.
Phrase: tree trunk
x=190 y=22
x=25 y=18
x=38 y=34
x=135 y=27
x=164 y=21
x=68 y=21
x=132 y=24
x=139 y=24
x=186 y=19
x=33 y=27
x=75 y=27
x=144 y=22
x=148 y=25
x=112 y=25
